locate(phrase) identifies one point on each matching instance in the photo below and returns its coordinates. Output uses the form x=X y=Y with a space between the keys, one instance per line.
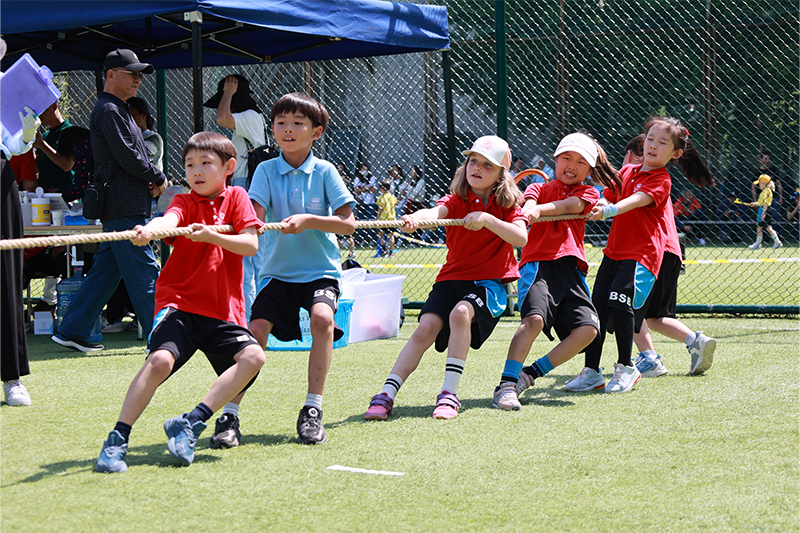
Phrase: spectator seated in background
x=687 y=210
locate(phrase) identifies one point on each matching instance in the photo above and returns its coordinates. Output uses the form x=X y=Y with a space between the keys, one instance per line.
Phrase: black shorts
x=279 y=302
x=665 y=290
x=557 y=291
x=488 y=298
x=182 y=334
x=624 y=285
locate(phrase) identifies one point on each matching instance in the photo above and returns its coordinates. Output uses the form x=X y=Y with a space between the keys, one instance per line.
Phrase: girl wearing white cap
x=552 y=286
x=468 y=297
x=635 y=249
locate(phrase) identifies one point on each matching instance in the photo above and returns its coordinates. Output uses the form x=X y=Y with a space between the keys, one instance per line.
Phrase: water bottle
x=67 y=289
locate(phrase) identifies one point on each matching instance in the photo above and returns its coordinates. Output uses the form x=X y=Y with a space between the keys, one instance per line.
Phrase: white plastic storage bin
x=342 y=319
x=376 y=306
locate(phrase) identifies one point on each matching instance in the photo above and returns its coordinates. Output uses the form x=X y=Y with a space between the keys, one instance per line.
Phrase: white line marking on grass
x=363 y=471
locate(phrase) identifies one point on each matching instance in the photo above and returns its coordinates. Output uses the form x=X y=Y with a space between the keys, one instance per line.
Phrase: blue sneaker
x=112 y=457
x=702 y=352
x=651 y=369
x=182 y=437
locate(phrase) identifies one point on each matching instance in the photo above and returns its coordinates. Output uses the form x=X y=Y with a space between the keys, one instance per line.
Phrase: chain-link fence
x=728 y=70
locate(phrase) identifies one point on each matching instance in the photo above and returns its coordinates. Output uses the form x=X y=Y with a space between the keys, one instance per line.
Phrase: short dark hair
x=303 y=104
x=210 y=141
x=386 y=184
x=636 y=145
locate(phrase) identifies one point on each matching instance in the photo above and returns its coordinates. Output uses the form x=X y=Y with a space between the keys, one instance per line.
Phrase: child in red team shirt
x=552 y=285
x=468 y=296
x=635 y=248
x=199 y=300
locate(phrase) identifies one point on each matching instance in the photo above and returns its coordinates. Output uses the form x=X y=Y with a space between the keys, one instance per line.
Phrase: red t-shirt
x=640 y=234
x=24 y=166
x=478 y=255
x=548 y=241
x=672 y=246
x=202 y=278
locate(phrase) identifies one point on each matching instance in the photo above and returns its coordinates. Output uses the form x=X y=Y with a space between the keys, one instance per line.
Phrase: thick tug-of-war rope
x=65 y=240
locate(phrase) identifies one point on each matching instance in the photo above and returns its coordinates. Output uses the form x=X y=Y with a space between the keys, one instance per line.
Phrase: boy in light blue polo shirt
x=301 y=263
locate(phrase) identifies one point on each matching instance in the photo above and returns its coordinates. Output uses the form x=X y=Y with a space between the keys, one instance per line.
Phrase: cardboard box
x=42 y=323
x=342 y=319
x=376 y=306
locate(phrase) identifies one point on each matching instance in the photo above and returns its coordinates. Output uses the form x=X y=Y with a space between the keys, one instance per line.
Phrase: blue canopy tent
x=77 y=34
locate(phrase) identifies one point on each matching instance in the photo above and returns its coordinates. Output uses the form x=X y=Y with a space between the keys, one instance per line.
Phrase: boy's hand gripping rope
x=64 y=240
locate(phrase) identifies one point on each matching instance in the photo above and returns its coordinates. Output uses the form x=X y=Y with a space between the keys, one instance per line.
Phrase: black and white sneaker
x=226 y=432
x=80 y=346
x=309 y=426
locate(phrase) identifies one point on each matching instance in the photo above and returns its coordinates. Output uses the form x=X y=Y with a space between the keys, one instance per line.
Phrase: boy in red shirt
x=193 y=313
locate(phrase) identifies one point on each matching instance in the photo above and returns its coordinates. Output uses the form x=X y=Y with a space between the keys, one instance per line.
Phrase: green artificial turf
x=717 y=452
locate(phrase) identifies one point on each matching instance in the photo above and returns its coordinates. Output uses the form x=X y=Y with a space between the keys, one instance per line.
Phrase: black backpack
x=259 y=154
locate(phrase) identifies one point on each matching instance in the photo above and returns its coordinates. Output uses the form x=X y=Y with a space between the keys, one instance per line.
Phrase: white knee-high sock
x=392 y=385
x=452 y=374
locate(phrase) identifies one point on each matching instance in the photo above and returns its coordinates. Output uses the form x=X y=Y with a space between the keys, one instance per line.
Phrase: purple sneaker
x=447 y=406
x=380 y=407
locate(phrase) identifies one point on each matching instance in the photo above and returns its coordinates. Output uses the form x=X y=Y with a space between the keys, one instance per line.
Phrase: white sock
x=452 y=374
x=690 y=338
x=774 y=235
x=231 y=409
x=314 y=400
x=392 y=385
x=650 y=355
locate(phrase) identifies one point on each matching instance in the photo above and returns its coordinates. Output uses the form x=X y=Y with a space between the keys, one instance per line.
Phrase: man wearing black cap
x=122 y=161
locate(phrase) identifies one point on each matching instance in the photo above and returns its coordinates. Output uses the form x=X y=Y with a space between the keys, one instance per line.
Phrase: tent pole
x=449 y=117
x=161 y=111
x=196 y=18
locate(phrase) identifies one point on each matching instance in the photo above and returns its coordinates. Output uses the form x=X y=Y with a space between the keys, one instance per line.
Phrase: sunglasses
x=132 y=73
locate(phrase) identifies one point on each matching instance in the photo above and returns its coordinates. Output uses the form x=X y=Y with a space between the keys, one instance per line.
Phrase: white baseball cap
x=580 y=143
x=492 y=148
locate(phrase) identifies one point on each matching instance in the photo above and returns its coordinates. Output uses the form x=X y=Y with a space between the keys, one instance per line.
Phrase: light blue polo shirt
x=282 y=190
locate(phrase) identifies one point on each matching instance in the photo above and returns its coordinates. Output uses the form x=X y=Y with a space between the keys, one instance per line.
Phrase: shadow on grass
x=155 y=455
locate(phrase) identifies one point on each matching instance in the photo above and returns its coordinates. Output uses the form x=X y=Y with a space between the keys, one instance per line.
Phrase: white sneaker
x=587 y=380
x=755 y=246
x=702 y=352
x=505 y=397
x=116 y=327
x=524 y=382
x=625 y=377
x=650 y=369
x=777 y=244
x=16 y=393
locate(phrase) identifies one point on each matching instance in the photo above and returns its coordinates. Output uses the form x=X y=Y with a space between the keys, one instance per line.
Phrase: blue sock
x=511 y=371
x=201 y=413
x=542 y=366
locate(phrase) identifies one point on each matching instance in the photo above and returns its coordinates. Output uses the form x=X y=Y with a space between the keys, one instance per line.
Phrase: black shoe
x=80 y=346
x=226 y=432
x=309 y=426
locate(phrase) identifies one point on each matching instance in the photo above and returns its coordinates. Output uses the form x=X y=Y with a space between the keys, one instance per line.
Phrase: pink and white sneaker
x=380 y=407
x=447 y=406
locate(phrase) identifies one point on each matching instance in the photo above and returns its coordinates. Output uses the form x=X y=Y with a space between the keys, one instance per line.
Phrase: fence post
x=502 y=67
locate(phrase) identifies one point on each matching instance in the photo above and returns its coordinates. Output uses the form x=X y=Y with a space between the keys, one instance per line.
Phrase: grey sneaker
x=702 y=352
x=587 y=380
x=112 y=456
x=505 y=397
